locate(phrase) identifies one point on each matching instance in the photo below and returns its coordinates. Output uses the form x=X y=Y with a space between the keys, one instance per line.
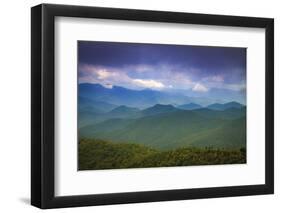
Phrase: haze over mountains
x=117 y=95
x=120 y=115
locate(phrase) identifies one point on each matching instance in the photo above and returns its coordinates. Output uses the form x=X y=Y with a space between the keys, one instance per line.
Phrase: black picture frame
x=43 y=110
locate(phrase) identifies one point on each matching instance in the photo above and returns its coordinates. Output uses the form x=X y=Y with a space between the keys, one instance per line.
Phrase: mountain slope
x=228 y=114
x=170 y=130
x=158 y=109
x=90 y=118
x=124 y=109
x=123 y=112
x=232 y=133
x=190 y=106
x=228 y=105
x=86 y=104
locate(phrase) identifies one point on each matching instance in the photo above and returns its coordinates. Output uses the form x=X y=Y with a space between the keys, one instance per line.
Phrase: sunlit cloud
x=148 y=83
x=110 y=76
x=104 y=74
x=158 y=77
x=200 y=88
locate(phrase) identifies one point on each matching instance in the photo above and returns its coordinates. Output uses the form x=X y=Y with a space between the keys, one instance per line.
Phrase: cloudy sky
x=162 y=67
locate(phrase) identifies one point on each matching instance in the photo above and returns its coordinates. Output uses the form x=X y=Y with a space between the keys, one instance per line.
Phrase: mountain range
x=170 y=130
x=145 y=98
x=121 y=115
x=165 y=126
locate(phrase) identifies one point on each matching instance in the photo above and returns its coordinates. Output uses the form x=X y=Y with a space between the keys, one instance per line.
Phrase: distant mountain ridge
x=228 y=105
x=94 y=106
x=140 y=98
x=132 y=98
x=158 y=109
x=98 y=111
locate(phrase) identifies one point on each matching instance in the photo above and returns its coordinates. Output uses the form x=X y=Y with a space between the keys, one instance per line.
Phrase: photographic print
x=139 y=117
x=160 y=105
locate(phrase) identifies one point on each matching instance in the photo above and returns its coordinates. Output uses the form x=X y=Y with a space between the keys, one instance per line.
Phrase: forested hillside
x=99 y=154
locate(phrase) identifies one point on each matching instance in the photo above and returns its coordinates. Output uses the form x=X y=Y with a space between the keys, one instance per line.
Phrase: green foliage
x=99 y=154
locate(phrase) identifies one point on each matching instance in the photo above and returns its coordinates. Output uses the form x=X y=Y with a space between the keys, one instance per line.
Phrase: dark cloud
x=205 y=61
x=158 y=66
